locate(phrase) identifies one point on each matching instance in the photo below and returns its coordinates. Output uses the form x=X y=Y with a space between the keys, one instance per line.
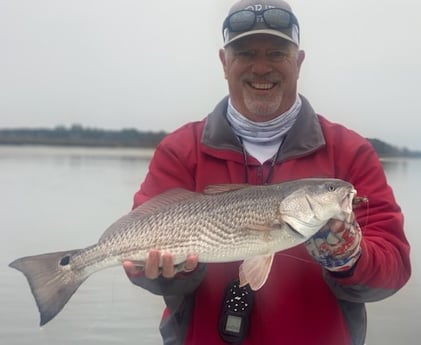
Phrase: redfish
x=224 y=223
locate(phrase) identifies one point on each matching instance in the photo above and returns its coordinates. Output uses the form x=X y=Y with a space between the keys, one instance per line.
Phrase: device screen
x=233 y=324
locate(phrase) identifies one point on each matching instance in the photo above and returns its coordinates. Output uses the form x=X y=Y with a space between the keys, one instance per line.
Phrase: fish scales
x=221 y=219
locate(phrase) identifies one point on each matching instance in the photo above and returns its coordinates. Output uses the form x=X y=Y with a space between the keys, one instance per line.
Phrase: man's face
x=262 y=73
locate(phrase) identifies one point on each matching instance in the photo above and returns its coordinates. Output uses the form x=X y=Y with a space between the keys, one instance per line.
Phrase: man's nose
x=261 y=65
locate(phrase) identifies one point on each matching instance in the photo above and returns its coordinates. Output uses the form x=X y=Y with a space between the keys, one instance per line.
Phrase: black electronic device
x=235 y=313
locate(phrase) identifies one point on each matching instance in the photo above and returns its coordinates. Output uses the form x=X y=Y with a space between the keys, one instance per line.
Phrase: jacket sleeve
x=171 y=166
x=384 y=266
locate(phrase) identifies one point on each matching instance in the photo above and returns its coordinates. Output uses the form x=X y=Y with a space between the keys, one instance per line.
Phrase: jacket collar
x=304 y=137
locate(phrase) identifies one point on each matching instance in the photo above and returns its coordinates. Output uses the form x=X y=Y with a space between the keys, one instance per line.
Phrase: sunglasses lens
x=241 y=21
x=277 y=19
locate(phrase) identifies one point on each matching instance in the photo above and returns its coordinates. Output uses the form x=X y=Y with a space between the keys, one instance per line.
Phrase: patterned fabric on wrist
x=337 y=246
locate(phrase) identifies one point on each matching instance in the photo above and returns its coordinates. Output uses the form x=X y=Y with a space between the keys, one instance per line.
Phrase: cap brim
x=261 y=31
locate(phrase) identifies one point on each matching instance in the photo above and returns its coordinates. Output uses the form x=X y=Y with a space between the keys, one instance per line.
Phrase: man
x=264 y=132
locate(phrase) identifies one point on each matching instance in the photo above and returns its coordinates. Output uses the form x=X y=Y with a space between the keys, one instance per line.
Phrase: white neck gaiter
x=262 y=139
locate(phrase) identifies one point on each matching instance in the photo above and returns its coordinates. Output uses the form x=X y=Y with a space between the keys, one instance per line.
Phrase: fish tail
x=51 y=279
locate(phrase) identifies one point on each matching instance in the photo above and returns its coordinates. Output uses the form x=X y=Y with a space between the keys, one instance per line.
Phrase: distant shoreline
x=77 y=136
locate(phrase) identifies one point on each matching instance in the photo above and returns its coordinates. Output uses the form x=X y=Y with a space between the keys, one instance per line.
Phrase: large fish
x=225 y=223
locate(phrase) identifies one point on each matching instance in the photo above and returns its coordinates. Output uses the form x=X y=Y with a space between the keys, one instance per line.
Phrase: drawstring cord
x=246 y=172
x=272 y=165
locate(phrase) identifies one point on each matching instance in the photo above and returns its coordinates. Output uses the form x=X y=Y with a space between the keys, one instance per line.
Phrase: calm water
x=60 y=198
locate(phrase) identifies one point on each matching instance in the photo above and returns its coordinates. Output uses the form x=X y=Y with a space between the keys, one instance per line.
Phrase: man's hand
x=152 y=269
x=337 y=246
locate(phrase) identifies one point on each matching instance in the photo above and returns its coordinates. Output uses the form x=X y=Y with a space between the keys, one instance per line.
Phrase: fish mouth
x=348 y=201
x=359 y=200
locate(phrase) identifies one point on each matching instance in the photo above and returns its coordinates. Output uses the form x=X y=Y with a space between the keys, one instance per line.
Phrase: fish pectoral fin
x=255 y=271
x=276 y=225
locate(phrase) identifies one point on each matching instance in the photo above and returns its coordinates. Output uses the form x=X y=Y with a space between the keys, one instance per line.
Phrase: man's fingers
x=168 y=270
x=191 y=263
x=152 y=264
x=157 y=264
x=336 y=226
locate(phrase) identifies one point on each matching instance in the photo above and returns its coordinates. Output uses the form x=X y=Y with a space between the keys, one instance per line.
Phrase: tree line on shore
x=77 y=135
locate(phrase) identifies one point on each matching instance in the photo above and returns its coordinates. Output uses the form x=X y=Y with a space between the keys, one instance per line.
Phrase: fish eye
x=331 y=188
x=65 y=260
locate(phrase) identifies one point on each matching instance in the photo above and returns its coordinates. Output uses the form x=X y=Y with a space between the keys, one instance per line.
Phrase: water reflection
x=73 y=153
x=396 y=165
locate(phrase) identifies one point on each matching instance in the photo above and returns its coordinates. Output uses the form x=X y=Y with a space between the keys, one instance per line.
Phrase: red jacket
x=300 y=303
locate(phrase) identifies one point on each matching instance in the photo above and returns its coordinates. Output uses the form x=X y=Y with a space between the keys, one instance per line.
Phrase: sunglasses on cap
x=274 y=18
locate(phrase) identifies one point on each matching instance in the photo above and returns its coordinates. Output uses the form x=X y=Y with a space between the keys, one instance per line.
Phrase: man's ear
x=300 y=58
x=222 y=58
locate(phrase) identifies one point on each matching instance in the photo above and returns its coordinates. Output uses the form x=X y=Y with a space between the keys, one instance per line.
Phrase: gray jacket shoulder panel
x=305 y=136
x=173 y=328
x=356 y=293
x=217 y=133
x=356 y=319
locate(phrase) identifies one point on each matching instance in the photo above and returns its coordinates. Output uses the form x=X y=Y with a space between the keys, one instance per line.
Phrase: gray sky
x=154 y=65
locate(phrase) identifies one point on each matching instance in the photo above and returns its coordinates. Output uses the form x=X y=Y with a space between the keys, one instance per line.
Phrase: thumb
x=132 y=270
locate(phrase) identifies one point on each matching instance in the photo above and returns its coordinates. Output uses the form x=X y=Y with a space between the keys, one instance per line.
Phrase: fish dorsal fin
x=255 y=271
x=169 y=197
x=154 y=204
x=224 y=188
